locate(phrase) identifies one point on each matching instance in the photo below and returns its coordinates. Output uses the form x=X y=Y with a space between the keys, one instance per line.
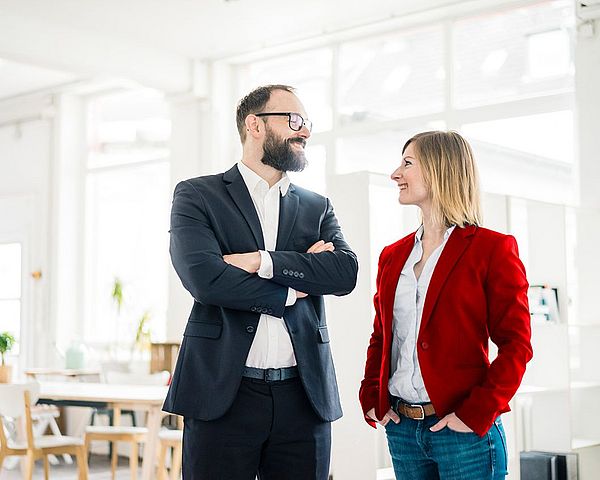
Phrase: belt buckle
x=422 y=417
x=273 y=374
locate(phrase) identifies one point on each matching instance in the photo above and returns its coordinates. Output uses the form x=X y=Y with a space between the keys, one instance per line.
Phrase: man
x=255 y=377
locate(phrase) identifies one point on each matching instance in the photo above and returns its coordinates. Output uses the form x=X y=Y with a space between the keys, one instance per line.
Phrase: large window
x=503 y=78
x=390 y=77
x=309 y=72
x=127 y=208
x=513 y=54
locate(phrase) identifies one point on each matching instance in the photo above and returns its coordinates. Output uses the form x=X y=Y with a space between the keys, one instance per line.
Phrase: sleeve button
x=285 y=271
x=301 y=275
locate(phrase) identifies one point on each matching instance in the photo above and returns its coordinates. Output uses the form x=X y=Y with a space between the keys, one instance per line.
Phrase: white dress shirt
x=272 y=345
x=406 y=380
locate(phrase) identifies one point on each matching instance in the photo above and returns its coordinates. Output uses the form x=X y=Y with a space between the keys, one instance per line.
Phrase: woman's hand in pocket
x=390 y=415
x=452 y=422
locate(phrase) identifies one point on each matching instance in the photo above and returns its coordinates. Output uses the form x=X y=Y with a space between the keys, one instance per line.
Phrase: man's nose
x=304 y=132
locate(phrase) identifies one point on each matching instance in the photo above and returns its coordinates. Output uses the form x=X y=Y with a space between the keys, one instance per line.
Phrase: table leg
x=153 y=424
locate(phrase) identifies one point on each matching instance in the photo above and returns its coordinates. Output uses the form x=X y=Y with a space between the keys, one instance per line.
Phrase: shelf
x=385 y=474
x=584 y=325
x=577 y=443
x=581 y=385
x=529 y=389
x=549 y=325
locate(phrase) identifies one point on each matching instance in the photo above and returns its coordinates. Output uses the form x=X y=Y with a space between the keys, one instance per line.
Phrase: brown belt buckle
x=422 y=417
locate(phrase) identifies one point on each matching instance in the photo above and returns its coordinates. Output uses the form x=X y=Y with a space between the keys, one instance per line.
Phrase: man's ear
x=253 y=126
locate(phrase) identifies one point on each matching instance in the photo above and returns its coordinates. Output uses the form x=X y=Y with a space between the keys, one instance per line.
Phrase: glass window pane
x=309 y=72
x=378 y=152
x=392 y=77
x=128 y=127
x=548 y=135
x=127 y=237
x=10 y=320
x=513 y=54
x=314 y=176
x=10 y=271
x=529 y=156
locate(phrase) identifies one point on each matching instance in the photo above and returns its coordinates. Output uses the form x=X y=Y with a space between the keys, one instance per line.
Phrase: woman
x=442 y=293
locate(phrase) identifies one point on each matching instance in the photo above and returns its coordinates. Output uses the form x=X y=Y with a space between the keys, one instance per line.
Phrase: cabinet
x=554 y=408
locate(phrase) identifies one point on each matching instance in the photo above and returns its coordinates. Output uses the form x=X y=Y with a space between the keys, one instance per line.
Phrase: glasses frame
x=305 y=123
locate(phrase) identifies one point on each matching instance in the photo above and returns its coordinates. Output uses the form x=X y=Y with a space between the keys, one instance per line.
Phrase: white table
x=131 y=397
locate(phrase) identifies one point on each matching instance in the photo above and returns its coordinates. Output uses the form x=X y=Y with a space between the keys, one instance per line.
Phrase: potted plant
x=6 y=343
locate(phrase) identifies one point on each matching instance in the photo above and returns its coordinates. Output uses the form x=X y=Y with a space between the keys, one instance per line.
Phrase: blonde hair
x=450 y=175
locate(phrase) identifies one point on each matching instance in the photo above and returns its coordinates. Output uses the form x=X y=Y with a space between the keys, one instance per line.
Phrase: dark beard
x=280 y=155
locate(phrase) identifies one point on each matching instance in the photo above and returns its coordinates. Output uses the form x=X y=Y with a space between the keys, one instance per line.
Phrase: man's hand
x=452 y=422
x=390 y=415
x=246 y=261
x=317 y=247
x=321 y=246
x=250 y=262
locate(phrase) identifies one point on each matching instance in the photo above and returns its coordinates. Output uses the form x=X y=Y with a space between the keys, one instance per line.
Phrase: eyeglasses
x=295 y=120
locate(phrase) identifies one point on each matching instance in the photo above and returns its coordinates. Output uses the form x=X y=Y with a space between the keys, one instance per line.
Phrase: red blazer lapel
x=457 y=243
x=390 y=275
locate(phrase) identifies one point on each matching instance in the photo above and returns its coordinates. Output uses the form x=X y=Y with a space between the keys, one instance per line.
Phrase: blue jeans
x=420 y=454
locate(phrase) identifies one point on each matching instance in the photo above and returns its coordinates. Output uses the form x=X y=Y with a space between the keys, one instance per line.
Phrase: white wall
x=25 y=152
x=587 y=94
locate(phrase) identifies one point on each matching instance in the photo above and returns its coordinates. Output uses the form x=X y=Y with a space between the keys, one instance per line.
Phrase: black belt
x=271 y=374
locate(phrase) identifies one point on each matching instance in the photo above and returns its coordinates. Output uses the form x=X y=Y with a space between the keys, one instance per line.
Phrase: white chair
x=170 y=439
x=42 y=417
x=117 y=433
x=15 y=403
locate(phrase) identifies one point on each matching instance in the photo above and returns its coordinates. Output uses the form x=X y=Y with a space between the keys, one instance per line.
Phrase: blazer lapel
x=390 y=276
x=457 y=243
x=239 y=193
x=288 y=209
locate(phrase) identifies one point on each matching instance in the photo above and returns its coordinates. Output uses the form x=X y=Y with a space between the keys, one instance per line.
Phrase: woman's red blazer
x=478 y=291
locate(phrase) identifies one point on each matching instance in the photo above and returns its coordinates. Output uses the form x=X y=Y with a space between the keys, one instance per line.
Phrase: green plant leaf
x=7 y=341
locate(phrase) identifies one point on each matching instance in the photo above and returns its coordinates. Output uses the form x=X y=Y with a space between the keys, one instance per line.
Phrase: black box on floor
x=548 y=466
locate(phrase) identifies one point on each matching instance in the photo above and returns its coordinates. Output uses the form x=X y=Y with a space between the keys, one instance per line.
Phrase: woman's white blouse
x=406 y=380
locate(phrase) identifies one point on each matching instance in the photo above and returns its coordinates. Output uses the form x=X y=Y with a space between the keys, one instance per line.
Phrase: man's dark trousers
x=270 y=429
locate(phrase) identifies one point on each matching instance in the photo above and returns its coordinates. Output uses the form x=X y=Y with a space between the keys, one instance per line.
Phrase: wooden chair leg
x=162 y=460
x=176 y=462
x=133 y=460
x=46 y=468
x=82 y=462
x=29 y=466
x=114 y=458
x=86 y=445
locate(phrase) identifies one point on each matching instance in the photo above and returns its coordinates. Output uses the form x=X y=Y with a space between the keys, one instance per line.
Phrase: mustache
x=299 y=140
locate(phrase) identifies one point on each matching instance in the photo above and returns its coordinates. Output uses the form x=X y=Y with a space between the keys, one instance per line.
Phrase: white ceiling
x=155 y=39
x=205 y=28
x=17 y=78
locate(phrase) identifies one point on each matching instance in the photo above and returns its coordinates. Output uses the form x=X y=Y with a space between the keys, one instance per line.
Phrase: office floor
x=99 y=470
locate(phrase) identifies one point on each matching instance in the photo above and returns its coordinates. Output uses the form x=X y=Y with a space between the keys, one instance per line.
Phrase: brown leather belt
x=414 y=411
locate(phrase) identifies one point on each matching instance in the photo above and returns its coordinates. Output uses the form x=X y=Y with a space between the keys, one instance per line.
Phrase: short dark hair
x=254 y=102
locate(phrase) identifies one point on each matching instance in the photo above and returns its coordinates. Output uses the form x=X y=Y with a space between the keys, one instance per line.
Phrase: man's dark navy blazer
x=214 y=216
